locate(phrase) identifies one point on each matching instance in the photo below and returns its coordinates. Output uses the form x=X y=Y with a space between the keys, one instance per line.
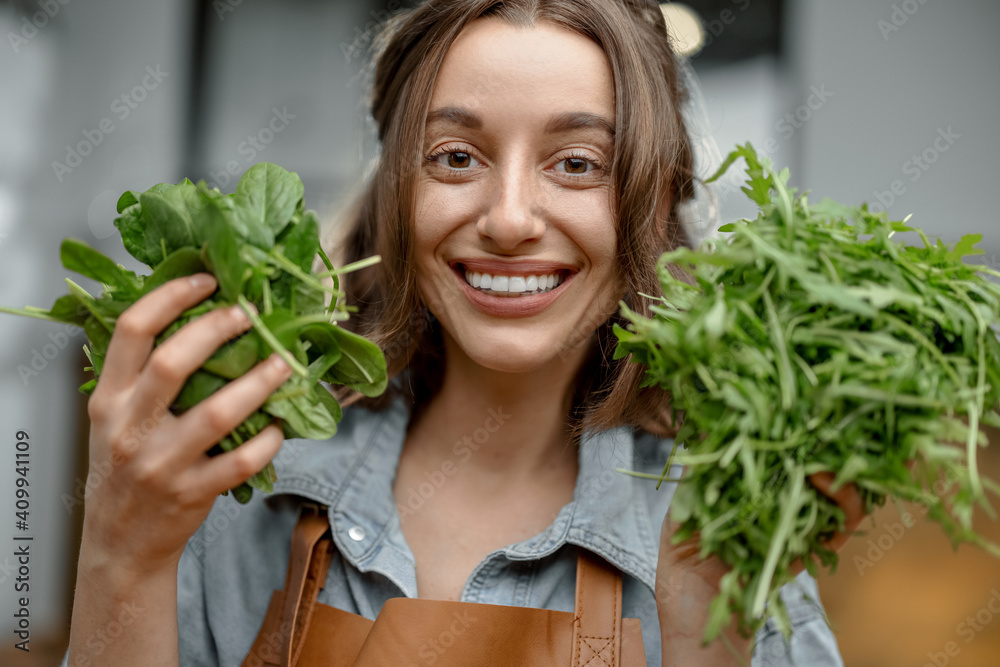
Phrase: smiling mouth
x=502 y=285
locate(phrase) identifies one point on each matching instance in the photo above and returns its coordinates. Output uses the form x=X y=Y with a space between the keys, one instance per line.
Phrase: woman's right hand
x=154 y=485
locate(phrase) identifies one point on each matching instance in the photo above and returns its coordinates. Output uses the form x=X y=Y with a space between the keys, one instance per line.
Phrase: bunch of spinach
x=809 y=341
x=259 y=243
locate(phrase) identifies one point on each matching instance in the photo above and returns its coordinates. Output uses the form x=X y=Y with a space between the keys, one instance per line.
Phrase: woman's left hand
x=686 y=585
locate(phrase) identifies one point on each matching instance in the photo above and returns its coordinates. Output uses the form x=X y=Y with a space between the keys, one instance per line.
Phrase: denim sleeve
x=196 y=647
x=812 y=642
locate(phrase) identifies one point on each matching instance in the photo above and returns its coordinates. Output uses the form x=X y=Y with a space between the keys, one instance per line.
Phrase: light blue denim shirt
x=239 y=556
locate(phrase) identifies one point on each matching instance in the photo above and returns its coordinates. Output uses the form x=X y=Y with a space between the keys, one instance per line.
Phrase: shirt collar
x=352 y=474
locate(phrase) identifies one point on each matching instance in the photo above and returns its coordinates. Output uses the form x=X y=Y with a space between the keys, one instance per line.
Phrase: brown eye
x=575 y=165
x=455 y=160
x=578 y=165
x=459 y=160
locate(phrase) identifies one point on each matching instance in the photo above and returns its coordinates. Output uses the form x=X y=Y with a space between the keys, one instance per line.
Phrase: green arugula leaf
x=812 y=342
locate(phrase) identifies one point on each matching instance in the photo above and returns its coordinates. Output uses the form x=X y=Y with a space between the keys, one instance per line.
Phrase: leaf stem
x=33 y=311
x=291 y=267
x=354 y=266
x=266 y=296
x=970 y=445
x=778 y=541
x=88 y=301
x=266 y=334
x=646 y=475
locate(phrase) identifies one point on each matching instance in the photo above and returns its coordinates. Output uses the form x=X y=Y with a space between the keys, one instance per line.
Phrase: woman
x=533 y=160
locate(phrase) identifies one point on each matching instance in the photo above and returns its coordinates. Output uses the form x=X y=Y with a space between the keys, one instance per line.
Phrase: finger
x=667 y=531
x=685 y=552
x=136 y=328
x=232 y=468
x=847 y=498
x=179 y=356
x=214 y=418
x=797 y=566
x=850 y=502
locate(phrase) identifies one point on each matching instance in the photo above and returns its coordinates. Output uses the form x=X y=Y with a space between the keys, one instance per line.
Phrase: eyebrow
x=564 y=122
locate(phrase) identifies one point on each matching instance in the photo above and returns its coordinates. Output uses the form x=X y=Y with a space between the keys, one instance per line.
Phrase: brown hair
x=652 y=173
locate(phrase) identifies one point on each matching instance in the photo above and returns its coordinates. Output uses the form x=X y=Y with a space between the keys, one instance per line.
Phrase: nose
x=514 y=214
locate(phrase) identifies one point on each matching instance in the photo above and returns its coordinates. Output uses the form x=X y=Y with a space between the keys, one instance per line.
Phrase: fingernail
x=200 y=280
x=239 y=314
x=280 y=364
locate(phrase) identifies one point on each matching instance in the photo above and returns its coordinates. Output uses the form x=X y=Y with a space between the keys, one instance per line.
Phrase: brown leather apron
x=299 y=631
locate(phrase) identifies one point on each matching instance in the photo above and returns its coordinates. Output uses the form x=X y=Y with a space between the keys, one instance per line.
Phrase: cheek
x=439 y=211
x=599 y=240
x=588 y=218
x=437 y=215
x=428 y=227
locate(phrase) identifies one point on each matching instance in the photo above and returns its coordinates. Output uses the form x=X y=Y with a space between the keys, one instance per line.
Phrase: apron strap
x=308 y=563
x=597 y=626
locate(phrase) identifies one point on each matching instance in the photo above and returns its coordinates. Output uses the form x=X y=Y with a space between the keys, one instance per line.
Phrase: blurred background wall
x=890 y=102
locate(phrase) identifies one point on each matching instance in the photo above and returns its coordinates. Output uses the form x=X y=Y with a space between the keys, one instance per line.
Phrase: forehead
x=496 y=70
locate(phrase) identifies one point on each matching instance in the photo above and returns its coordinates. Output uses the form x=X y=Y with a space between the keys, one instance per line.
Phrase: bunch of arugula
x=259 y=243
x=808 y=342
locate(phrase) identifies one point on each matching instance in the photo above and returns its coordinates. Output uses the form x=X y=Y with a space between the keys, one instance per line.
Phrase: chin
x=512 y=363
x=507 y=352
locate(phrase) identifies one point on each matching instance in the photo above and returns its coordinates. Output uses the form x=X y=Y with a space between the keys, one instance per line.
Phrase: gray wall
x=904 y=75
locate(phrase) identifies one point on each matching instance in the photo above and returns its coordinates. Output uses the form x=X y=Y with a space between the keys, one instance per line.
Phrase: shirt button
x=356 y=533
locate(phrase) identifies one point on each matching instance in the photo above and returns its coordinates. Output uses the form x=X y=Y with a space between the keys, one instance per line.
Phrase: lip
x=508 y=306
x=526 y=268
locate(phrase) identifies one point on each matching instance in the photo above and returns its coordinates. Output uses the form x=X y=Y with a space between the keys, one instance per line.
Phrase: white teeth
x=512 y=284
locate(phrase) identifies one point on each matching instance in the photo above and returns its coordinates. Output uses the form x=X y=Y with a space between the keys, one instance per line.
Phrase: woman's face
x=515 y=234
